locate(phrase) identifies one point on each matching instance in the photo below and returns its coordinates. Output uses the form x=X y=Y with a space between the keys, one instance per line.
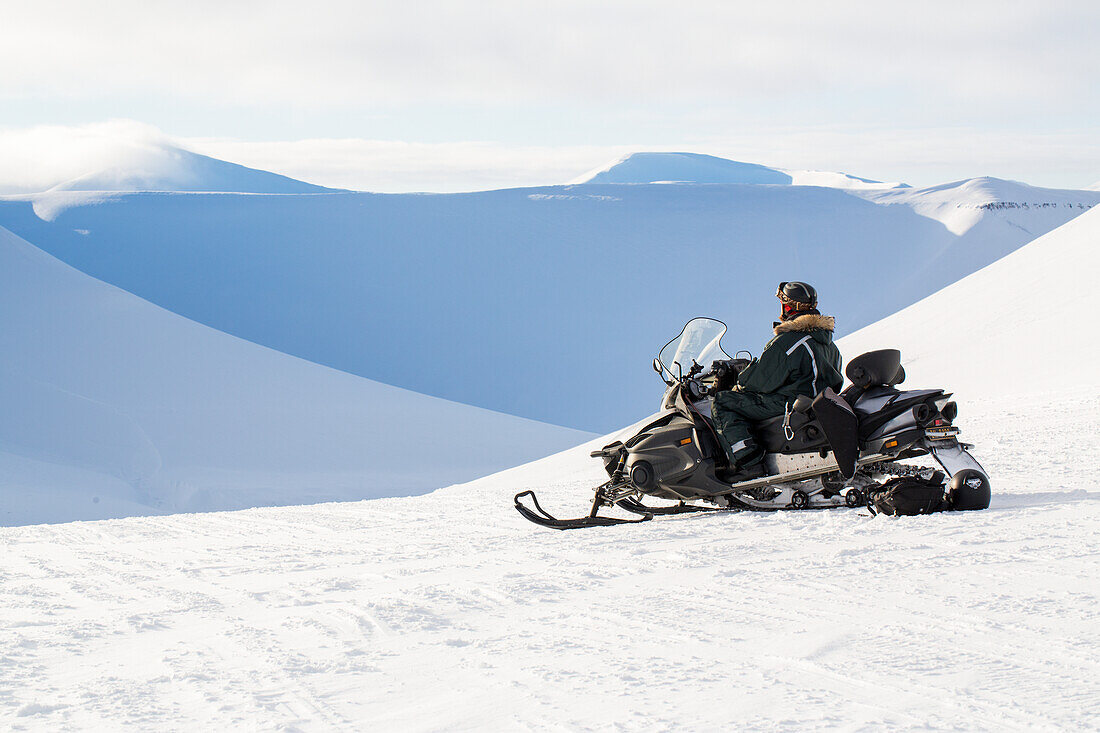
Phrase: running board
x=782 y=478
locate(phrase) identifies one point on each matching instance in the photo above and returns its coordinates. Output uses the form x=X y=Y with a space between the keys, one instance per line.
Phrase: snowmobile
x=827 y=451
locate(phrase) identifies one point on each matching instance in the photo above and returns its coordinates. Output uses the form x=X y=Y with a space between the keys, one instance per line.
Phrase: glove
x=725 y=375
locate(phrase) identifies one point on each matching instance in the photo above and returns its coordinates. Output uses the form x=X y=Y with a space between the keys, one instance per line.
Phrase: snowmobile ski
x=540 y=516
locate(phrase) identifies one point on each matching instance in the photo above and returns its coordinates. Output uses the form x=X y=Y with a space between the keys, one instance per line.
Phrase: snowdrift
x=114 y=407
x=1011 y=328
x=562 y=293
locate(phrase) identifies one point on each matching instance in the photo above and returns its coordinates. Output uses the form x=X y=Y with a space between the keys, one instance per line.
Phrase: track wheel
x=854 y=498
x=800 y=499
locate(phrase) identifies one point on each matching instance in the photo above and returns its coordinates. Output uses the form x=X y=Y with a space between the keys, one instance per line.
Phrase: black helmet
x=797 y=298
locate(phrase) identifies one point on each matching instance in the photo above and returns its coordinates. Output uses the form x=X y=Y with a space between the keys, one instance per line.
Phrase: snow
x=830 y=179
x=687 y=167
x=115 y=407
x=169 y=168
x=1012 y=327
x=961 y=205
x=122 y=155
x=545 y=286
x=449 y=611
x=699 y=168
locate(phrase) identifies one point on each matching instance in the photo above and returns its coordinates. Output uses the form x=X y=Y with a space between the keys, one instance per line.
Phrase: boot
x=748 y=467
x=741 y=473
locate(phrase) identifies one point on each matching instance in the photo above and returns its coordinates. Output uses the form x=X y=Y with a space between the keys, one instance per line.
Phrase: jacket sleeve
x=768 y=373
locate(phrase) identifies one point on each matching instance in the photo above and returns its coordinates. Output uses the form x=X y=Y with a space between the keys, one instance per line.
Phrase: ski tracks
x=449 y=611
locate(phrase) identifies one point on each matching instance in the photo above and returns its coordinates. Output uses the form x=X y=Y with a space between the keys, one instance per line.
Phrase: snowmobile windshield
x=699 y=342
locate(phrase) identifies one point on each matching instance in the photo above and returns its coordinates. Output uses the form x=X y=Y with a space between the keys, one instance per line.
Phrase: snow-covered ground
x=449 y=611
x=113 y=407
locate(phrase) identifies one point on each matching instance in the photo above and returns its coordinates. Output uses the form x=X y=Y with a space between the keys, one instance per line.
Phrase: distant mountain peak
x=682 y=168
x=960 y=205
x=675 y=167
x=165 y=167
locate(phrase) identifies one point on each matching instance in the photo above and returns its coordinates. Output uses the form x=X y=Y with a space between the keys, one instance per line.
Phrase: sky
x=445 y=96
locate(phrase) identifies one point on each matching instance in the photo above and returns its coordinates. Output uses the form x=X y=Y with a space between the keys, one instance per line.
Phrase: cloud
x=341 y=54
x=514 y=92
x=35 y=158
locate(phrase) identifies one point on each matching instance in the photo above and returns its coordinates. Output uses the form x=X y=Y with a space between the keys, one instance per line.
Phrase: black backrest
x=875 y=368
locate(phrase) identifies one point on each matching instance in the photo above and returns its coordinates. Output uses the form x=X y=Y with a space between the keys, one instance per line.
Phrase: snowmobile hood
x=820 y=327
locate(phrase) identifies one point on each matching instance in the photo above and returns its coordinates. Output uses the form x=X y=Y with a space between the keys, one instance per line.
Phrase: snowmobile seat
x=808 y=435
x=880 y=368
x=832 y=426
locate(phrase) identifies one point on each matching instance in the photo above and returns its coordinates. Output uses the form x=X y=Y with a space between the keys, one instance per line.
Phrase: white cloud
x=35 y=158
x=914 y=91
x=345 y=53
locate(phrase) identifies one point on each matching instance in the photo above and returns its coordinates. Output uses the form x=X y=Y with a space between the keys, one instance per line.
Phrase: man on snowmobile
x=800 y=360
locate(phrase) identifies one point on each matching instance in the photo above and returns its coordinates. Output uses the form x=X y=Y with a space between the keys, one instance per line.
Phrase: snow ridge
x=115 y=407
x=655 y=167
x=1006 y=328
x=960 y=205
x=681 y=167
x=164 y=167
x=587 y=251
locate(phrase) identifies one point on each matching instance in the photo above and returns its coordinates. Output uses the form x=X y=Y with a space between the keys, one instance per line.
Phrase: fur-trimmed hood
x=808 y=322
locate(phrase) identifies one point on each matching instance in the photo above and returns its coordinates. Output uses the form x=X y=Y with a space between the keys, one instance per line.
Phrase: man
x=800 y=360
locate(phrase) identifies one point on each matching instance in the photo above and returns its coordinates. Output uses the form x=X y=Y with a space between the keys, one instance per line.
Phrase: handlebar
x=722 y=372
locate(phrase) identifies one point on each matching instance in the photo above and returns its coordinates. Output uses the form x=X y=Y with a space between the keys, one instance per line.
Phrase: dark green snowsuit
x=801 y=360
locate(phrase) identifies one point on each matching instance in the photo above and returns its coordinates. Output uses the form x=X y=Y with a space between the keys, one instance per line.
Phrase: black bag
x=909 y=495
x=841 y=427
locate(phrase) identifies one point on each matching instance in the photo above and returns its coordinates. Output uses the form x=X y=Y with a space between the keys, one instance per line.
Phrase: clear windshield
x=699 y=341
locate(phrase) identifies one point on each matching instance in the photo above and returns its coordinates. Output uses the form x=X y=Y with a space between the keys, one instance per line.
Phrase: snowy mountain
x=681 y=167
x=165 y=167
x=832 y=179
x=698 y=168
x=1011 y=327
x=570 y=288
x=115 y=407
x=449 y=611
x=962 y=205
